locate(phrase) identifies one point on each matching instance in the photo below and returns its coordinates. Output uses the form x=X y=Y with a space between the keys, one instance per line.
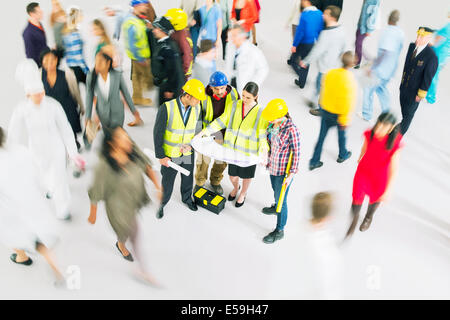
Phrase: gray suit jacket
x=110 y=109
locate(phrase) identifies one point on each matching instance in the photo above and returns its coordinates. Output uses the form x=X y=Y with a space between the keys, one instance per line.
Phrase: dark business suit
x=417 y=76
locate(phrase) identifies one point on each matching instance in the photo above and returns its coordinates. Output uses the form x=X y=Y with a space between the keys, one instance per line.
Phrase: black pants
x=303 y=50
x=224 y=41
x=168 y=179
x=79 y=74
x=409 y=107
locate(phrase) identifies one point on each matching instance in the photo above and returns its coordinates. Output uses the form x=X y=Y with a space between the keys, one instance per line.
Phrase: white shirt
x=419 y=49
x=104 y=85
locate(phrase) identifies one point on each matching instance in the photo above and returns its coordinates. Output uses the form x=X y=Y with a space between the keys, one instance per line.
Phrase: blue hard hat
x=218 y=79
x=136 y=2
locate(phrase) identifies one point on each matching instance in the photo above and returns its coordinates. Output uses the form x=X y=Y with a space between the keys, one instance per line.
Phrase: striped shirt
x=281 y=144
x=74 y=51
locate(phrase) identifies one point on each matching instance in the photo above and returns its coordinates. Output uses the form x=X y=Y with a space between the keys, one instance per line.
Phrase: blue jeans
x=329 y=120
x=195 y=32
x=383 y=95
x=318 y=83
x=277 y=183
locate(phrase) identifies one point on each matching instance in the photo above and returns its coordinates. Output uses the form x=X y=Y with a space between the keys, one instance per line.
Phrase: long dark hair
x=252 y=88
x=108 y=142
x=95 y=74
x=58 y=53
x=387 y=118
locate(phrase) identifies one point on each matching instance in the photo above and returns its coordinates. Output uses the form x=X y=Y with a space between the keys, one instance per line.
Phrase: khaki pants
x=142 y=78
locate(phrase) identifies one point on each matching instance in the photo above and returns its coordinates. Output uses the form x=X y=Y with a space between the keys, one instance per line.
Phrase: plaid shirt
x=287 y=139
x=73 y=46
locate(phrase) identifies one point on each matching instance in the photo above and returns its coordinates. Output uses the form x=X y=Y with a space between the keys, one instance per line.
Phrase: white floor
x=405 y=254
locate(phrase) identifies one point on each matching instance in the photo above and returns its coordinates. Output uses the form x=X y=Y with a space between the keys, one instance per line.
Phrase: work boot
x=366 y=222
x=143 y=102
x=340 y=160
x=160 y=213
x=217 y=189
x=273 y=236
x=270 y=210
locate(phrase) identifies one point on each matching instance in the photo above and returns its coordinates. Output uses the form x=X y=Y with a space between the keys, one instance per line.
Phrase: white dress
x=49 y=137
x=25 y=215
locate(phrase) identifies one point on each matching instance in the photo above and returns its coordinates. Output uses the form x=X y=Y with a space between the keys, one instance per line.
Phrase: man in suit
x=420 y=67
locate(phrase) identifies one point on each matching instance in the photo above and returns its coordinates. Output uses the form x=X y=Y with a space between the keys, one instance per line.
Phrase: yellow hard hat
x=195 y=88
x=178 y=18
x=275 y=109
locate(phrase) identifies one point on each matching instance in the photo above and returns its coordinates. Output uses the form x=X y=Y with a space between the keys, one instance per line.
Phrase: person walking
x=245 y=14
x=421 y=64
x=177 y=122
x=258 y=10
x=226 y=24
x=284 y=141
x=34 y=34
x=294 y=17
x=99 y=31
x=389 y=48
x=211 y=15
x=308 y=30
x=167 y=65
x=366 y=25
x=58 y=19
x=205 y=65
x=245 y=133
x=137 y=48
x=220 y=96
x=191 y=8
x=327 y=51
x=337 y=101
x=377 y=167
x=244 y=61
x=63 y=87
x=107 y=84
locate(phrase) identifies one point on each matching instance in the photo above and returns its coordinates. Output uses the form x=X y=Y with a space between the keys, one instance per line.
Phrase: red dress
x=371 y=176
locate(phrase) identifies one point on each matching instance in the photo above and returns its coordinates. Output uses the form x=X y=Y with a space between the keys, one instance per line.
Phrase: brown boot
x=366 y=222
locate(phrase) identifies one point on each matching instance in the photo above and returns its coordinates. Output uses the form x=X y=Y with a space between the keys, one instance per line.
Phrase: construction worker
x=166 y=61
x=245 y=133
x=137 y=47
x=220 y=96
x=177 y=122
x=179 y=20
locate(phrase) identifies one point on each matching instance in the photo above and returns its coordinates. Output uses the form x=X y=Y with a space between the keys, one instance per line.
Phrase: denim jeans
x=303 y=50
x=195 y=32
x=383 y=94
x=318 y=83
x=277 y=183
x=329 y=120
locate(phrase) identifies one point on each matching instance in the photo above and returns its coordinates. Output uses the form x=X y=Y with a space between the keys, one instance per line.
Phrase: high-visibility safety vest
x=207 y=108
x=246 y=135
x=191 y=44
x=140 y=41
x=177 y=133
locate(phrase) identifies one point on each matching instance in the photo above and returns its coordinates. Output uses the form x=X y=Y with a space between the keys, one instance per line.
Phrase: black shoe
x=315 y=165
x=273 y=236
x=297 y=83
x=340 y=160
x=366 y=223
x=315 y=112
x=160 y=213
x=311 y=104
x=28 y=262
x=217 y=189
x=289 y=62
x=231 y=198
x=357 y=66
x=191 y=205
x=238 y=205
x=129 y=257
x=270 y=210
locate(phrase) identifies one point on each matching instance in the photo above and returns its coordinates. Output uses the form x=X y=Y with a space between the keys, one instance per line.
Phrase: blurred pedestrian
x=337 y=101
x=220 y=96
x=167 y=65
x=57 y=22
x=73 y=45
x=106 y=84
x=421 y=64
x=389 y=48
x=323 y=4
x=294 y=17
x=204 y=65
x=119 y=182
x=366 y=25
x=226 y=24
x=441 y=47
x=26 y=222
x=327 y=51
x=176 y=124
x=245 y=133
x=179 y=20
x=211 y=15
x=137 y=47
x=377 y=167
x=258 y=8
x=34 y=35
x=40 y=123
x=245 y=14
x=308 y=30
x=284 y=141
x=63 y=87
x=191 y=8
x=244 y=61
x=100 y=33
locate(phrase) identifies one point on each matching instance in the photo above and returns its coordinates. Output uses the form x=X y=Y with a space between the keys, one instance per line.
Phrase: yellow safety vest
x=140 y=41
x=177 y=133
x=207 y=108
x=247 y=136
x=191 y=44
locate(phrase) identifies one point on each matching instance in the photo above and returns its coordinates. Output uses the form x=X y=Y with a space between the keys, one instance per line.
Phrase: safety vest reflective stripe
x=207 y=107
x=141 y=41
x=191 y=44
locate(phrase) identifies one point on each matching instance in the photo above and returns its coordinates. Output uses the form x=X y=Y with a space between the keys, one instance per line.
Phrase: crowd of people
x=178 y=53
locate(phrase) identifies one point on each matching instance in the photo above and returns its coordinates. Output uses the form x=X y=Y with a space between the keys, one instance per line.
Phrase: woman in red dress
x=377 y=166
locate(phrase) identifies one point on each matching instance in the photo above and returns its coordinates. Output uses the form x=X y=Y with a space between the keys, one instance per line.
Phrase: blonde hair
x=74 y=15
x=104 y=34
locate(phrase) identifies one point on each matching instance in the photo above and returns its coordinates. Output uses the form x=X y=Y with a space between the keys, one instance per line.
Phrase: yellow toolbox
x=209 y=200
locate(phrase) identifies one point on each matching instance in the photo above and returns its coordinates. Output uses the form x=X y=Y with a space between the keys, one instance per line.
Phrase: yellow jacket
x=338 y=94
